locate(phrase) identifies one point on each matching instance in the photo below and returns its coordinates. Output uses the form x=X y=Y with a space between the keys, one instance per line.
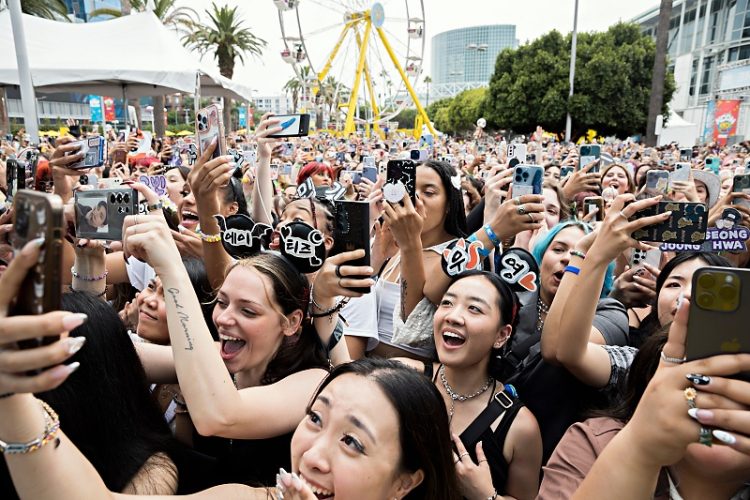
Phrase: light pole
x=30 y=119
x=568 y=122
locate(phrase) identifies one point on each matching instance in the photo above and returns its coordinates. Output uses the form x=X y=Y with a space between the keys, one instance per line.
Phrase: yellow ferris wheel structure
x=358 y=63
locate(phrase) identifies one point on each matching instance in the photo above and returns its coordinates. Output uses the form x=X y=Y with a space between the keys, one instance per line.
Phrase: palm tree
x=181 y=19
x=293 y=87
x=656 y=101
x=229 y=40
x=428 y=81
x=48 y=9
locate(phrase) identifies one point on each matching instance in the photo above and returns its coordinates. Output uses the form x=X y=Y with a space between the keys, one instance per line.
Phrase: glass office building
x=709 y=55
x=465 y=57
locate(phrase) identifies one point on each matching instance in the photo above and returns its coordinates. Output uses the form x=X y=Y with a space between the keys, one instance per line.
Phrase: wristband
x=483 y=252
x=87 y=278
x=491 y=235
x=210 y=238
x=156 y=206
x=572 y=269
x=578 y=254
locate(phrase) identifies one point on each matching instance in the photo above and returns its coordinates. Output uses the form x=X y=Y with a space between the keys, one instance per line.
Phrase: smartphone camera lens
x=112 y=198
x=726 y=292
x=706 y=300
x=707 y=281
x=119 y=197
x=126 y=198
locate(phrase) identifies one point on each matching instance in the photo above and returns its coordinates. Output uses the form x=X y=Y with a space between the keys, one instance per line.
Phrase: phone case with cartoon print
x=687 y=224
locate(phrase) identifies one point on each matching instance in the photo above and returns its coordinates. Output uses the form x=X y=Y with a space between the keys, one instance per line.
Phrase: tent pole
x=28 y=98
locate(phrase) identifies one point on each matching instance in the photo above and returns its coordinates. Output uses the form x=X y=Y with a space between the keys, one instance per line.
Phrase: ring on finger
x=462 y=455
x=338 y=272
x=521 y=210
x=623 y=215
x=531 y=218
x=517 y=201
x=706 y=438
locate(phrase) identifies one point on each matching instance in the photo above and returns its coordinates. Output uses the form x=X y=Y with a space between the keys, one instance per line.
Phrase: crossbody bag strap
x=501 y=402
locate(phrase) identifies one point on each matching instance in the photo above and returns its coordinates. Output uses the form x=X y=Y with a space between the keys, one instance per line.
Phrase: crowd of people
x=174 y=365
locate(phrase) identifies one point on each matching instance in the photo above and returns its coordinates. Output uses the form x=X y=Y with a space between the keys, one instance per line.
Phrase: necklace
x=460 y=397
x=541 y=307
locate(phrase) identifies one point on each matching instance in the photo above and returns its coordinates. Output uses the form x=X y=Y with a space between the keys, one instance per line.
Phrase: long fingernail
x=73 y=321
x=724 y=437
x=31 y=246
x=701 y=415
x=698 y=379
x=296 y=482
x=680 y=298
x=62 y=371
x=74 y=344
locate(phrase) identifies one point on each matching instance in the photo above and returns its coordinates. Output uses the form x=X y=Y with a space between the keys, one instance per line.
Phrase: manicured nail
x=296 y=482
x=72 y=321
x=724 y=437
x=62 y=371
x=698 y=379
x=32 y=246
x=74 y=344
x=701 y=415
x=680 y=298
x=215 y=140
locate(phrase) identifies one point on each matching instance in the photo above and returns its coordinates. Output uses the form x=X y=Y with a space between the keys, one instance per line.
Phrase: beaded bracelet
x=51 y=428
x=326 y=312
x=98 y=295
x=88 y=278
x=209 y=238
x=491 y=235
x=156 y=206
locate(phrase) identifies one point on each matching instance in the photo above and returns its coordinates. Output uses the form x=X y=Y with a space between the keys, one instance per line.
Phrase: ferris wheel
x=357 y=62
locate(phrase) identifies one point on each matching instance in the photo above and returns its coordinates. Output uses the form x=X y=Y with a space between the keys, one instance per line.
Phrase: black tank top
x=492 y=441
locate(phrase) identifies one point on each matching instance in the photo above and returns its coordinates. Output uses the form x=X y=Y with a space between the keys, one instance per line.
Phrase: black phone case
x=406 y=172
x=352 y=232
x=304 y=128
x=687 y=224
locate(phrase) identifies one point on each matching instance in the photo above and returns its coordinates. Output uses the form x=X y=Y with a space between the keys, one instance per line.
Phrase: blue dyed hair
x=541 y=247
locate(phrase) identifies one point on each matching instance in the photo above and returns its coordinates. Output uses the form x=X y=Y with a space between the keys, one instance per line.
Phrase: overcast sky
x=531 y=17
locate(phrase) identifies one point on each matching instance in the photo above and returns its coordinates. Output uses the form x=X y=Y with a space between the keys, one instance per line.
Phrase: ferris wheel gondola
x=374 y=60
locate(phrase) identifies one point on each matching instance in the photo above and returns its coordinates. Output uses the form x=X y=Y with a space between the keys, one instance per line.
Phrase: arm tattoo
x=183 y=317
x=403 y=300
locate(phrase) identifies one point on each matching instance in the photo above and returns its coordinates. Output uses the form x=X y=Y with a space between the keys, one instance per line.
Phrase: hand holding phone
x=292 y=125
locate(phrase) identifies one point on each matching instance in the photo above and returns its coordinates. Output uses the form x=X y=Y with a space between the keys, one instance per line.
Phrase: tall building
x=709 y=54
x=464 y=58
x=80 y=10
x=279 y=104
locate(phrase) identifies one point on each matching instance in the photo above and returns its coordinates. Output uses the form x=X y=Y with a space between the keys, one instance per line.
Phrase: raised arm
x=216 y=406
x=569 y=338
x=262 y=198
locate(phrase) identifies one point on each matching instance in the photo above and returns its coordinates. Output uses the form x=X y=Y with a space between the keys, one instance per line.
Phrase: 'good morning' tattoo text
x=183 y=317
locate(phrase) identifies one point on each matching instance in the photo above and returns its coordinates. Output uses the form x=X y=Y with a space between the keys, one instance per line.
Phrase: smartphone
x=589 y=153
x=418 y=154
x=293 y=125
x=741 y=184
x=404 y=171
x=352 y=232
x=592 y=203
x=566 y=171
x=657 y=183
x=101 y=212
x=209 y=125
x=144 y=143
x=15 y=174
x=516 y=154
x=527 y=179
x=370 y=173
x=39 y=215
x=719 y=313
x=686 y=154
x=88 y=180
x=119 y=156
x=681 y=172
x=93 y=149
x=713 y=164
x=288 y=149
x=640 y=257
x=356 y=175
x=686 y=225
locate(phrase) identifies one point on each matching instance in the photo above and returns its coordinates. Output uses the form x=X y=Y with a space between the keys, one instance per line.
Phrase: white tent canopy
x=678 y=130
x=133 y=56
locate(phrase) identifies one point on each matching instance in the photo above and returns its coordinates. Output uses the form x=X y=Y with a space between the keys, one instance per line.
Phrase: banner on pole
x=727 y=114
x=109 y=109
x=95 y=107
x=243 y=117
x=708 y=127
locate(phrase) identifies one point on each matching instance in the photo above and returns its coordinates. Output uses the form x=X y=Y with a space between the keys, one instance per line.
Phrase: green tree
x=228 y=38
x=465 y=109
x=613 y=80
x=406 y=118
x=439 y=115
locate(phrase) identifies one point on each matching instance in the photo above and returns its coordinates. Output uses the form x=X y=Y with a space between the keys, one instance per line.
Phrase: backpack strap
x=501 y=403
x=512 y=361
